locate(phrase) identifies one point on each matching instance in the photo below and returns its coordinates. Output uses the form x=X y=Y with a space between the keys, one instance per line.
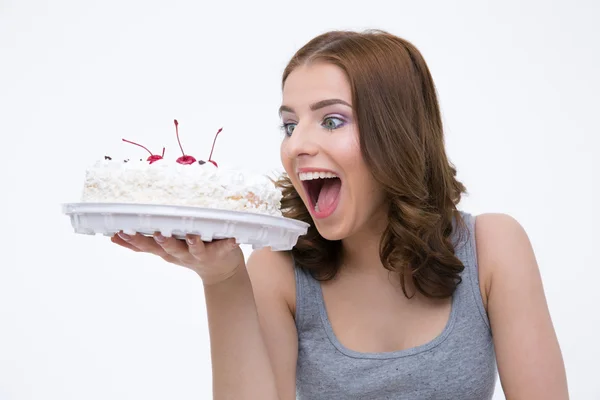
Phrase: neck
x=361 y=250
x=361 y=259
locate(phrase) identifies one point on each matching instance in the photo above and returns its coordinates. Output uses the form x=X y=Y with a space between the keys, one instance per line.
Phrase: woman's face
x=321 y=153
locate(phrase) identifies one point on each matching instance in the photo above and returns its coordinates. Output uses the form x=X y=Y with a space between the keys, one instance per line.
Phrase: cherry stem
x=177 y=133
x=137 y=144
x=213 y=145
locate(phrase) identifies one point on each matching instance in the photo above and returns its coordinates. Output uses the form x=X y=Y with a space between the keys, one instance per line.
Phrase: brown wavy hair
x=401 y=140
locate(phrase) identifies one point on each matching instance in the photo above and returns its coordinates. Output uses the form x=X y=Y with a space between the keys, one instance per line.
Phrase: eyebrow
x=317 y=105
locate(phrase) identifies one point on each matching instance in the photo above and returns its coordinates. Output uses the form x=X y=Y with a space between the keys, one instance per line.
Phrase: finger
x=143 y=243
x=220 y=248
x=174 y=247
x=170 y=259
x=117 y=240
x=196 y=246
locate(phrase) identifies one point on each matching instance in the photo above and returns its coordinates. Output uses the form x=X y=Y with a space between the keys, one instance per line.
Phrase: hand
x=214 y=262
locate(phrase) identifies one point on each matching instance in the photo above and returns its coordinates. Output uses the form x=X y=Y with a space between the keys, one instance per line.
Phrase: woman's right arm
x=252 y=331
x=272 y=276
x=250 y=313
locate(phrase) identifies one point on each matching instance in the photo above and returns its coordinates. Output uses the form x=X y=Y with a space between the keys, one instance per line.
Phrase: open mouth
x=323 y=192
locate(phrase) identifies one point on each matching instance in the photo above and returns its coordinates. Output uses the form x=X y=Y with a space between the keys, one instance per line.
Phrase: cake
x=181 y=182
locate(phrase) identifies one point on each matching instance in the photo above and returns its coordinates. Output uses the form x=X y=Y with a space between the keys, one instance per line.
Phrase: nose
x=302 y=143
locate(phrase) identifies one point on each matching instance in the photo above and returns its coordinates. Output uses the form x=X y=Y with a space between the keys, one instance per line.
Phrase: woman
x=393 y=293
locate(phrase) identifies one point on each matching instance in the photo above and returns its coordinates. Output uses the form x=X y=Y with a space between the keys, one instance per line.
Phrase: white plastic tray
x=255 y=229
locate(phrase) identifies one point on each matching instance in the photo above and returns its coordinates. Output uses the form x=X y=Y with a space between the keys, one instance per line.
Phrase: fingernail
x=124 y=236
x=159 y=238
x=234 y=243
x=191 y=241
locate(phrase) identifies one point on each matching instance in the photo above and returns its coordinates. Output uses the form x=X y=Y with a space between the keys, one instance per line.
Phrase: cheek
x=284 y=157
x=347 y=152
x=366 y=191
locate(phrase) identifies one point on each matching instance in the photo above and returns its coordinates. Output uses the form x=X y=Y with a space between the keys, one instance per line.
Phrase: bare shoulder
x=503 y=249
x=496 y=233
x=272 y=272
x=500 y=226
x=528 y=354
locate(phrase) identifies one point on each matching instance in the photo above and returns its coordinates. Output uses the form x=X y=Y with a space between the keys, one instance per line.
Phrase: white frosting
x=169 y=183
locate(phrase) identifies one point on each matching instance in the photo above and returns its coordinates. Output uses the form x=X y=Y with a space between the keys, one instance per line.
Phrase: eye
x=288 y=128
x=331 y=123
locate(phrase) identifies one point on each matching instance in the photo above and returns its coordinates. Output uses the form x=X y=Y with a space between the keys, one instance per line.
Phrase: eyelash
x=285 y=125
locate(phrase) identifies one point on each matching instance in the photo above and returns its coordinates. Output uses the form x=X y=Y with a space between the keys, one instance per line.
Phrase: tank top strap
x=308 y=314
x=466 y=250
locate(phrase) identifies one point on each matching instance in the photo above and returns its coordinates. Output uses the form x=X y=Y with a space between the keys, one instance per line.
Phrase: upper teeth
x=307 y=176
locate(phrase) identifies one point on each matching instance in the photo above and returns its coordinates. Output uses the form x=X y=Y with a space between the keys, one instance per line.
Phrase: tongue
x=329 y=193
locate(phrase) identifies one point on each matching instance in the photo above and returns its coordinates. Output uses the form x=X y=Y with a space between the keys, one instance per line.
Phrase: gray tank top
x=460 y=363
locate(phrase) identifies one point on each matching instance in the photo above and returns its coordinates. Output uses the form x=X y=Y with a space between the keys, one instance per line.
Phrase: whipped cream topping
x=166 y=182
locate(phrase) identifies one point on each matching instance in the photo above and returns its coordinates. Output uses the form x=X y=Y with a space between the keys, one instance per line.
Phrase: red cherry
x=186 y=160
x=153 y=157
x=213 y=148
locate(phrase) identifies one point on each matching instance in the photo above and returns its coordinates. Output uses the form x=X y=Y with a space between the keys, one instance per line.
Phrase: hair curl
x=401 y=140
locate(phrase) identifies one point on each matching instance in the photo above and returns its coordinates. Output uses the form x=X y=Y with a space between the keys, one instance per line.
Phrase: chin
x=331 y=231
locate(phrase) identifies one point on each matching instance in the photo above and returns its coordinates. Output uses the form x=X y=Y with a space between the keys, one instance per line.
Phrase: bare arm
x=252 y=331
x=529 y=359
x=249 y=361
x=240 y=363
x=272 y=275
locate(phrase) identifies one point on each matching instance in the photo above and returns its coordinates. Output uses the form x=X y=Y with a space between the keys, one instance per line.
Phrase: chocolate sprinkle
x=107 y=158
x=201 y=162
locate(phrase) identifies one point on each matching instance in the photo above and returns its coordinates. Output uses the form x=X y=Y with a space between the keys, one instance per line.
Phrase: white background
x=82 y=319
